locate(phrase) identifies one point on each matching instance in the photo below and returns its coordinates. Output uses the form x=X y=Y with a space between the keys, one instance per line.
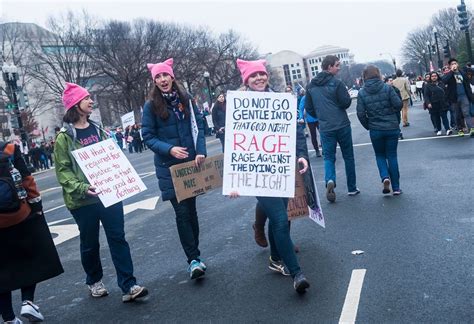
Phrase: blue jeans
x=329 y=141
x=188 y=227
x=281 y=246
x=385 y=143
x=87 y=219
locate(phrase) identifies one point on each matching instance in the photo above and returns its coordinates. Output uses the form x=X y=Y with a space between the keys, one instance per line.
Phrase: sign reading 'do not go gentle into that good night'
x=260 y=142
x=107 y=169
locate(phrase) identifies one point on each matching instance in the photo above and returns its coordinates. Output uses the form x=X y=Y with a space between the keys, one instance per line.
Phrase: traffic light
x=463 y=18
x=447 y=51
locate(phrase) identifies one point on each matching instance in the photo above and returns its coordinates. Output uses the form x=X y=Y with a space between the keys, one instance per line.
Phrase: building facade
x=297 y=70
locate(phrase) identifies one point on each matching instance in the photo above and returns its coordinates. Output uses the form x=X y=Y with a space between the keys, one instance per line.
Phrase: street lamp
x=419 y=66
x=424 y=57
x=428 y=43
x=440 y=62
x=206 y=77
x=10 y=76
x=393 y=61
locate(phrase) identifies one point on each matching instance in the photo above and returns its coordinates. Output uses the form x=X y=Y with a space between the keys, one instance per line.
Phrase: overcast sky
x=367 y=28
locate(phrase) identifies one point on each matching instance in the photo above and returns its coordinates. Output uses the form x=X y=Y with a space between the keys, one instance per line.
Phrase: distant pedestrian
x=27 y=252
x=403 y=85
x=312 y=122
x=435 y=102
x=218 y=118
x=81 y=198
x=327 y=99
x=378 y=110
x=419 y=88
x=119 y=137
x=168 y=132
x=460 y=96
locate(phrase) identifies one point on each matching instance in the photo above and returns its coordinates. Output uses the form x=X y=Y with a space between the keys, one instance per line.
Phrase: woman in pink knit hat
x=173 y=129
x=282 y=254
x=82 y=199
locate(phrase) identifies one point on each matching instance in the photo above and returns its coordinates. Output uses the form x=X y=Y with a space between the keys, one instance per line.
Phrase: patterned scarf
x=173 y=100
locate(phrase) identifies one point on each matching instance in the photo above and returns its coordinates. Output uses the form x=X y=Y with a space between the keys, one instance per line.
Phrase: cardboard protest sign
x=260 y=141
x=190 y=181
x=297 y=206
x=106 y=167
x=128 y=119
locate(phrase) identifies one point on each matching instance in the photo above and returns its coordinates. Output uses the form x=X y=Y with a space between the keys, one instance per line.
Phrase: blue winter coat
x=378 y=106
x=162 y=135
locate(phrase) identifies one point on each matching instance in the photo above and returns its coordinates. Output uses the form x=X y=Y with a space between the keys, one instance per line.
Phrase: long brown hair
x=160 y=107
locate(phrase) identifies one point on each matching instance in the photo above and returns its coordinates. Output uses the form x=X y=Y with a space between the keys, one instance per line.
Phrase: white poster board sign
x=106 y=167
x=128 y=120
x=260 y=144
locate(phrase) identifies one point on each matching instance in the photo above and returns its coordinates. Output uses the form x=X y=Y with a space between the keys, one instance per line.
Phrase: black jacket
x=451 y=88
x=434 y=95
x=327 y=99
x=378 y=106
x=218 y=115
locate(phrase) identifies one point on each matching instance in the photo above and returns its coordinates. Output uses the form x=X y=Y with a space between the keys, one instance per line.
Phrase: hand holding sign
x=302 y=162
x=92 y=191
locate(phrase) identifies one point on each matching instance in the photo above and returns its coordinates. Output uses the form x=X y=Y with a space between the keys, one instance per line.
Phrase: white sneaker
x=134 y=292
x=98 y=289
x=15 y=321
x=438 y=133
x=31 y=312
x=449 y=132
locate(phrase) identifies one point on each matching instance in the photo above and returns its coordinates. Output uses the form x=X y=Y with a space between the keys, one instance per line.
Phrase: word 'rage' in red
x=268 y=144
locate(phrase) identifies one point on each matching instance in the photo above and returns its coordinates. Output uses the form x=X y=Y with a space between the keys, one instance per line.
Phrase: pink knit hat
x=73 y=94
x=164 y=67
x=247 y=68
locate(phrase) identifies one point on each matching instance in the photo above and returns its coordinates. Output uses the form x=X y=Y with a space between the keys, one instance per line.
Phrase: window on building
x=298 y=70
x=299 y=76
x=297 y=64
x=291 y=65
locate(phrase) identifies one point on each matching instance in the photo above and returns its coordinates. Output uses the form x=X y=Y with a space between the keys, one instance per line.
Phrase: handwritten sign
x=297 y=206
x=128 y=119
x=107 y=169
x=260 y=143
x=190 y=181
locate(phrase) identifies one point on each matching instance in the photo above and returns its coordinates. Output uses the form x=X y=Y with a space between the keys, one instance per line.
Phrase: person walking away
x=435 y=102
x=419 y=88
x=282 y=251
x=27 y=252
x=312 y=122
x=81 y=199
x=167 y=131
x=459 y=95
x=327 y=99
x=402 y=84
x=378 y=110
x=218 y=118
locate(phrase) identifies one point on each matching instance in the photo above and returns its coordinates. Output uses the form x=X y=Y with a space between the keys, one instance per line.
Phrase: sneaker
x=397 y=192
x=203 y=266
x=461 y=133
x=400 y=136
x=354 y=193
x=260 y=238
x=134 y=292
x=386 y=186
x=98 y=289
x=31 y=311
x=471 y=133
x=318 y=153
x=449 y=132
x=195 y=270
x=279 y=266
x=438 y=133
x=300 y=283
x=16 y=320
x=330 y=194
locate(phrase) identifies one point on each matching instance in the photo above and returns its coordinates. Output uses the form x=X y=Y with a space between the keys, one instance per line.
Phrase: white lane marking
x=59 y=221
x=351 y=304
x=49 y=210
x=404 y=140
x=50 y=189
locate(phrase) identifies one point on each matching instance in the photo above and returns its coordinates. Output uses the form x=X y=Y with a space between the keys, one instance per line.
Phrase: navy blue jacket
x=161 y=135
x=327 y=99
x=378 y=106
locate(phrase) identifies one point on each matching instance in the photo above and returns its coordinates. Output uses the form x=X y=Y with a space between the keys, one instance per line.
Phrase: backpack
x=9 y=200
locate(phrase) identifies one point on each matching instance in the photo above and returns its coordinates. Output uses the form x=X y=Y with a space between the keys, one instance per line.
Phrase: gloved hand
x=37 y=207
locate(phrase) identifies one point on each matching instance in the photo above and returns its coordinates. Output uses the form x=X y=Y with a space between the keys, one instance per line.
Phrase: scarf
x=173 y=100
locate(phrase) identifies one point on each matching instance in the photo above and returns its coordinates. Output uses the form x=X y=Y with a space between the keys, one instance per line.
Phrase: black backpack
x=9 y=200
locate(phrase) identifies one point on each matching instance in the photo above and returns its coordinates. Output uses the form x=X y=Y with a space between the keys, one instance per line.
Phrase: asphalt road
x=418 y=248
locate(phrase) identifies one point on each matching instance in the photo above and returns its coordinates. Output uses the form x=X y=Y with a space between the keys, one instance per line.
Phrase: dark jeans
x=314 y=135
x=188 y=227
x=461 y=111
x=385 y=143
x=281 y=246
x=437 y=116
x=6 y=307
x=329 y=141
x=87 y=219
